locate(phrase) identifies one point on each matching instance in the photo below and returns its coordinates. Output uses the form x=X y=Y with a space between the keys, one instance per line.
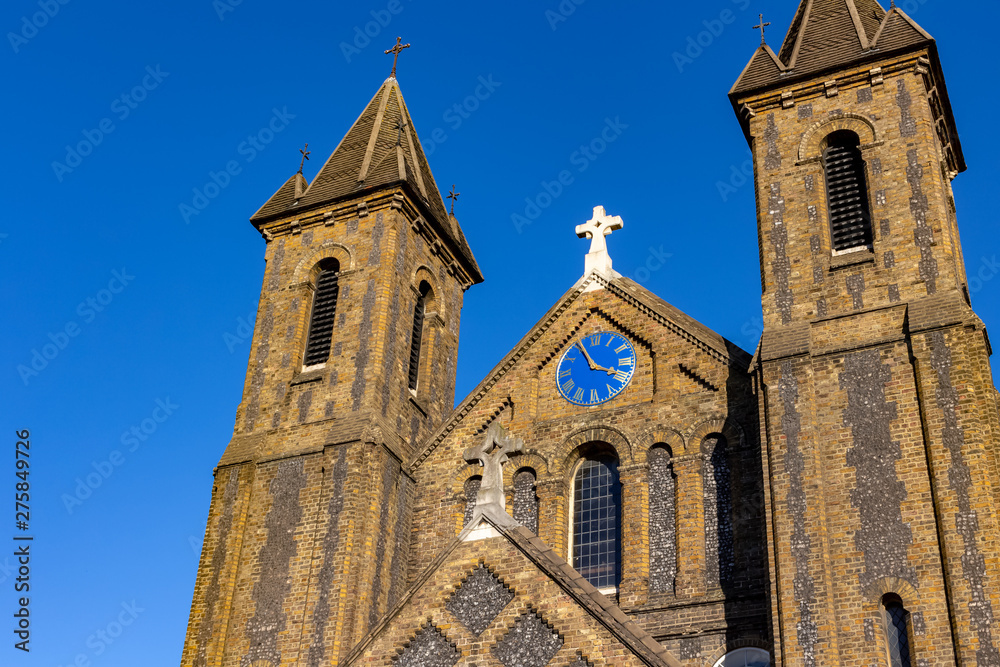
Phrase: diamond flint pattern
x=479 y=600
x=429 y=648
x=530 y=643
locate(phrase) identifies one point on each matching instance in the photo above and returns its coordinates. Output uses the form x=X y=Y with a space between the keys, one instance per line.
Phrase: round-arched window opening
x=745 y=657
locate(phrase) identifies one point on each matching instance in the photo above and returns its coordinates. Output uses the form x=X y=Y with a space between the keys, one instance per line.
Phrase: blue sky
x=148 y=311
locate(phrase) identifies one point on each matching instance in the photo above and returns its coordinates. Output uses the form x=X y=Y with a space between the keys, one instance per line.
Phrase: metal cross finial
x=492 y=453
x=453 y=196
x=400 y=126
x=761 y=26
x=305 y=156
x=396 y=50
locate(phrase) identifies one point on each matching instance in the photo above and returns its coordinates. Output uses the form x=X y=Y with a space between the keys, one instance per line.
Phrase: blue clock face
x=595 y=369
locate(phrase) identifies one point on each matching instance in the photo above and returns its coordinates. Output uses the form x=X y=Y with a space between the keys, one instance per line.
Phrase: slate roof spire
x=831 y=34
x=380 y=150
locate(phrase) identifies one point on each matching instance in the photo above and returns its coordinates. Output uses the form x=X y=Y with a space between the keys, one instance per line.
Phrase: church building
x=626 y=486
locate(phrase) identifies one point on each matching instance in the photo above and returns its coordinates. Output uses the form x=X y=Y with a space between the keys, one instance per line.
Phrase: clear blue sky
x=171 y=330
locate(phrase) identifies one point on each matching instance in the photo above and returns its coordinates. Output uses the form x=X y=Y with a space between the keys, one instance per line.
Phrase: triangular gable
x=283 y=198
x=497 y=590
x=763 y=68
x=899 y=31
x=630 y=292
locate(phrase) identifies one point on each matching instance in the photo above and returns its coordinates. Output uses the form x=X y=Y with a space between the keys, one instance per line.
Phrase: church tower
x=879 y=418
x=353 y=363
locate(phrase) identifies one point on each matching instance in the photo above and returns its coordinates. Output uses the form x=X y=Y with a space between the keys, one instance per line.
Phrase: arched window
x=897 y=632
x=719 y=552
x=847 y=192
x=324 y=312
x=662 y=521
x=471 y=490
x=526 y=499
x=745 y=657
x=418 y=332
x=597 y=497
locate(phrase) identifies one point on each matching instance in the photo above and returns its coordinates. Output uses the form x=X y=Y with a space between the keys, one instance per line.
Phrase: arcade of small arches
x=598 y=488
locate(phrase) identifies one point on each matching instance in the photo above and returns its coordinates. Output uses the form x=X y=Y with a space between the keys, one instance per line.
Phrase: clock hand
x=593 y=366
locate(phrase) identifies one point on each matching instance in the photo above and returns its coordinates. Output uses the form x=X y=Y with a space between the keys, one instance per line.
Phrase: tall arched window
x=418 y=332
x=526 y=499
x=597 y=494
x=847 y=192
x=324 y=312
x=719 y=546
x=662 y=521
x=897 y=632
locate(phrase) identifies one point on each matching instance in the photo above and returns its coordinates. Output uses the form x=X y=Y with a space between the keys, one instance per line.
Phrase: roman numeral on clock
x=594 y=396
x=566 y=373
x=623 y=346
x=621 y=376
x=568 y=387
x=625 y=362
x=578 y=394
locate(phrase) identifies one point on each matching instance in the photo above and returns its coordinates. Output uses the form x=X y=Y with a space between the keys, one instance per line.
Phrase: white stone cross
x=596 y=229
x=492 y=453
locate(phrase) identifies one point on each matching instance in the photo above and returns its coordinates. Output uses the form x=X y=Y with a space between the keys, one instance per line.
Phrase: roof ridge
x=896 y=11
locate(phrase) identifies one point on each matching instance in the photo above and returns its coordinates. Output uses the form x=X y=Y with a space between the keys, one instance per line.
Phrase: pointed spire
x=830 y=34
x=380 y=150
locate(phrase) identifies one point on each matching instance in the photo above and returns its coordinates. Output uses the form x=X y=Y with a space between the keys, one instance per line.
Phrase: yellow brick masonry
x=904 y=311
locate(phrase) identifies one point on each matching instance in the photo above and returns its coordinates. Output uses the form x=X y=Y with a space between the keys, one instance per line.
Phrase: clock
x=596 y=368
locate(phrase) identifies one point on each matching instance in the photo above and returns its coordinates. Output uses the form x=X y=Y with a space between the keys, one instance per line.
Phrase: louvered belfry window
x=847 y=192
x=418 y=332
x=324 y=313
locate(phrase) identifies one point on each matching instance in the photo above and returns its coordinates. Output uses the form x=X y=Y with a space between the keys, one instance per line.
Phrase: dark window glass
x=418 y=332
x=847 y=192
x=597 y=521
x=324 y=313
x=897 y=633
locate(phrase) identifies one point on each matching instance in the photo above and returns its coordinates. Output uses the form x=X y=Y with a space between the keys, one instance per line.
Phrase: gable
x=505 y=599
x=675 y=354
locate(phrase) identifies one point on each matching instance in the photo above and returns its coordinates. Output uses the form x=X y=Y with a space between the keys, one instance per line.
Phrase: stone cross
x=305 y=156
x=496 y=447
x=596 y=229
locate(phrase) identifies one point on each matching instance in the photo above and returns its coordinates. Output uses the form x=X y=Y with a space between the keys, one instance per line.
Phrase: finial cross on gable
x=599 y=227
x=305 y=156
x=492 y=453
x=396 y=50
x=761 y=26
x=453 y=196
